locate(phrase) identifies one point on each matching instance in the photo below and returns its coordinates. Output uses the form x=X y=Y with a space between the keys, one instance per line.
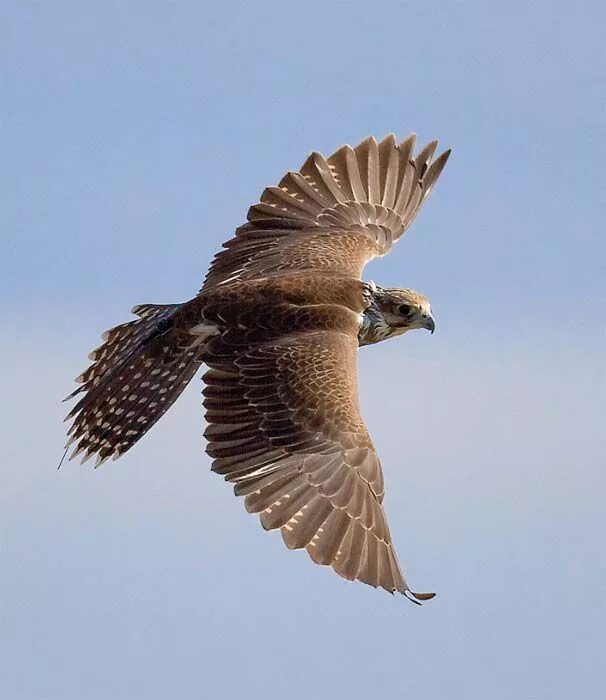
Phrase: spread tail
x=138 y=372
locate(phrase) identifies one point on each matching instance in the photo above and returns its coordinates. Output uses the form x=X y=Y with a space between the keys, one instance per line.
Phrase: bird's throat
x=374 y=327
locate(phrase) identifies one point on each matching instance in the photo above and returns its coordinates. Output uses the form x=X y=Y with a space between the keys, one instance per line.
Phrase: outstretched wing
x=285 y=427
x=334 y=215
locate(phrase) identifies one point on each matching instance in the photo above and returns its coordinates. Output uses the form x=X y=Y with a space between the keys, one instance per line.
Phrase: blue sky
x=134 y=137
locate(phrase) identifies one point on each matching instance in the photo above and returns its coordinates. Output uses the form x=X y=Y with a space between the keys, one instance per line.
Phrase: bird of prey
x=278 y=323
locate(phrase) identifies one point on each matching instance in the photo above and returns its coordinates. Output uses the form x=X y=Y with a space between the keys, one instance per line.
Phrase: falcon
x=278 y=323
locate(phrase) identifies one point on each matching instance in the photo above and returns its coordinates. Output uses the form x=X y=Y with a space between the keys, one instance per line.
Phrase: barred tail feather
x=137 y=374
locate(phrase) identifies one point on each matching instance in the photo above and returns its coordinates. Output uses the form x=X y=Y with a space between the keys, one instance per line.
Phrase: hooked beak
x=428 y=322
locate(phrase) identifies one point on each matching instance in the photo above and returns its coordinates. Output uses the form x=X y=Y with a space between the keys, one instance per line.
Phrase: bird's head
x=393 y=312
x=405 y=309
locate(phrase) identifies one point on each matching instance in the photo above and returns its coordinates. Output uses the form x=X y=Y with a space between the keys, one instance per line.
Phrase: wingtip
x=410 y=139
x=418 y=598
x=368 y=140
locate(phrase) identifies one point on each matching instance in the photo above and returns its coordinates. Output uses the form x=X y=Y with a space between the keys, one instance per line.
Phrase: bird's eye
x=404 y=309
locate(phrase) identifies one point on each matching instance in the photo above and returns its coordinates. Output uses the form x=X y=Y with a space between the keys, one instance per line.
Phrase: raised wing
x=285 y=427
x=334 y=215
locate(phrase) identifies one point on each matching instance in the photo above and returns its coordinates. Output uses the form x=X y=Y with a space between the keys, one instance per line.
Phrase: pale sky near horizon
x=134 y=137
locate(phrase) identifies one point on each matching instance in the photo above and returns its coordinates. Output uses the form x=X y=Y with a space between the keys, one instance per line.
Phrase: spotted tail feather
x=138 y=372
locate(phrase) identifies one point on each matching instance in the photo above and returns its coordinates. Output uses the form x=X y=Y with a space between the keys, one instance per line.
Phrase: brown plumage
x=278 y=323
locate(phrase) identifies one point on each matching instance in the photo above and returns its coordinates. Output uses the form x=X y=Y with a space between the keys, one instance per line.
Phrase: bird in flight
x=278 y=323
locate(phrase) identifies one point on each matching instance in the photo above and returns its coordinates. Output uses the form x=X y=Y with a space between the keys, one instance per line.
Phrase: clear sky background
x=134 y=136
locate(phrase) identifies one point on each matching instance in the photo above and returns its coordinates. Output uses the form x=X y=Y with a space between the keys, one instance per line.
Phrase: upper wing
x=285 y=426
x=334 y=215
